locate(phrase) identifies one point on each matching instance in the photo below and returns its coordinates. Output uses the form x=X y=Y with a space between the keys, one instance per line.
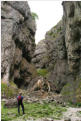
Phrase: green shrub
x=8 y=90
x=42 y=72
x=34 y=16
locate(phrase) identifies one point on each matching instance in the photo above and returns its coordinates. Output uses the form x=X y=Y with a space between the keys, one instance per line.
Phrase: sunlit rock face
x=17 y=42
x=63 y=50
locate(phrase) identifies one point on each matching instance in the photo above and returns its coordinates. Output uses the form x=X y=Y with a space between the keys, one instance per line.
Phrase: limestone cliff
x=17 y=42
x=63 y=52
x=72 y=23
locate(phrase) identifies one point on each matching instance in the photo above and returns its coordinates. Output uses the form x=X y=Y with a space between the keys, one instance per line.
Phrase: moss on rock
x=72 y=92
x=42 y=72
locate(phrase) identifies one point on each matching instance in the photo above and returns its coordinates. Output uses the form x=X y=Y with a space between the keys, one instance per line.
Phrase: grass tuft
x=42 y=72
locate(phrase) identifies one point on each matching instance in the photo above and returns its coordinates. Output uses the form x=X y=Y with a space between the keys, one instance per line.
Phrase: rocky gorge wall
x=62 y=47
x=17 y=42
x=72 y=23
x=59 y=53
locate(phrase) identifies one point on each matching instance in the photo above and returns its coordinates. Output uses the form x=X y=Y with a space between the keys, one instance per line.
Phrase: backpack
x=19 y=98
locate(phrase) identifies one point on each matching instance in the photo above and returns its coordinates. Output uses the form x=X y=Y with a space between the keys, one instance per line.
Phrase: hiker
x=20 y=102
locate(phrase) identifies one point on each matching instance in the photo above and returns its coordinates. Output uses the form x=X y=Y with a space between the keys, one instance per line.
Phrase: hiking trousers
x=20 y=104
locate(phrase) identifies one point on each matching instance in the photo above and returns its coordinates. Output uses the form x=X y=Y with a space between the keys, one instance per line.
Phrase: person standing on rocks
x=20 y=102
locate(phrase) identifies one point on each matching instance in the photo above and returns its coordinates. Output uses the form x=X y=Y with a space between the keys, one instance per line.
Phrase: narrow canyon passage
x=47 y=73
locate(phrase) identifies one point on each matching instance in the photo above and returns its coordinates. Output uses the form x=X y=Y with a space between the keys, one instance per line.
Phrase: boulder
x=10 y=103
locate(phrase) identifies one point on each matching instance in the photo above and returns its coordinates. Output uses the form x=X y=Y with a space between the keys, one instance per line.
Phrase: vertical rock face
x=57 y=55
x=17 y=42
x=72 y=21
x=63 y=45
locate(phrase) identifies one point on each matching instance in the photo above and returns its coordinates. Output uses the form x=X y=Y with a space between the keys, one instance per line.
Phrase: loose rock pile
x=36 y=96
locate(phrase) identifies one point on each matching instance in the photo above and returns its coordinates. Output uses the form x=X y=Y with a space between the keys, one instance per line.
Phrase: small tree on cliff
x=34 y=15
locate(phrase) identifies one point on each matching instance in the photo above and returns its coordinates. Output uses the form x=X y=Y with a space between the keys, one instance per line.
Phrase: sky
x=49 y=13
